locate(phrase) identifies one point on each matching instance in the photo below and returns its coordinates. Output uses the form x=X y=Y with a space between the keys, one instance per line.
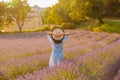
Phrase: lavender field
x=88 y=56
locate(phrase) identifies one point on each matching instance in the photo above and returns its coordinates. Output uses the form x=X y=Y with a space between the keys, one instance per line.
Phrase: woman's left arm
x=67 y=34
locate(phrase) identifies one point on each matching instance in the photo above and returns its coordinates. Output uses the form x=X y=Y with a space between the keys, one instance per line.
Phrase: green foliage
x=2 y=12
x=74 y=12
x=54 y=17
x=78 y=11
x=45 y=15
x=112 y=8
x=44 y=28
x=65 y=10
x=5 y=18
x=109 y=26
x=15 y=10
x=58 y=14
x=68 y=26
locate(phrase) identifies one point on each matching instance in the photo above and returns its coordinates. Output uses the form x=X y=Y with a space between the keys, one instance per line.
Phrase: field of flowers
x=88 y=56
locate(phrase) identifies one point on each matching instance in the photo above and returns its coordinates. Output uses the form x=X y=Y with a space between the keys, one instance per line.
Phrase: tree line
x=65 y=11
x=78 y=11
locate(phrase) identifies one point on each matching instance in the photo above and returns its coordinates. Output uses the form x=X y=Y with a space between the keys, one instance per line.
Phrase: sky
x=40 y=3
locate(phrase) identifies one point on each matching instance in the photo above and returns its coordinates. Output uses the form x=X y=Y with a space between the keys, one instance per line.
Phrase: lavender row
x=117 y=76
x=75 y=49
x=38 y=60
x=74 y=68
x=94 y=55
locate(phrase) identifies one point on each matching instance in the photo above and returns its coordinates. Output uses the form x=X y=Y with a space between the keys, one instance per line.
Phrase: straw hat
x=57 y=31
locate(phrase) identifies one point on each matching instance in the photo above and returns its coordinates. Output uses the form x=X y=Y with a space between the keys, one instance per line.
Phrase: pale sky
x=41 y=3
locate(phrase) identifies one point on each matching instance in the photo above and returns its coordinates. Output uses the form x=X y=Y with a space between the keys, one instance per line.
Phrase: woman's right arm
x=67 y=34
x=49 y=36
x=50 y=33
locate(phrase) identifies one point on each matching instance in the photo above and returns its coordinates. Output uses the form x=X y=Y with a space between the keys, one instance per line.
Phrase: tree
x=19 y=11
x=5 y=18
x=45 y=15
x=77 y=11
x=112 y=8
x=53 y=15
x=95 y=10
x=85 y=9
x=2 y=12
x=64 y=10
x=58 y=14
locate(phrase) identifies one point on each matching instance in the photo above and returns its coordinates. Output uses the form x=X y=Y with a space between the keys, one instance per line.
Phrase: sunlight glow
x=5 y=0
x=41 y=3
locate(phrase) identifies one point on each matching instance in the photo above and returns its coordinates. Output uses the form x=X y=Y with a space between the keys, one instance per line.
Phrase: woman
x=57 y=47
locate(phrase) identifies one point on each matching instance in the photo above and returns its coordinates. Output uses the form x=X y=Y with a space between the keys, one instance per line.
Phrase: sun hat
x=57 y=31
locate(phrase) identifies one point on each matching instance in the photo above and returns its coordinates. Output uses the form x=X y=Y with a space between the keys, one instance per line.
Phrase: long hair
x=57 y=41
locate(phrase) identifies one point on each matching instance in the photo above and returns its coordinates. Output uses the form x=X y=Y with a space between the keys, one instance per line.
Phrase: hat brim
x=58 y=31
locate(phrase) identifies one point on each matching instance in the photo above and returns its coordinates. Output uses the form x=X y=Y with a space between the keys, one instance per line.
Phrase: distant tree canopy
x=16 y=10
x=77 y=11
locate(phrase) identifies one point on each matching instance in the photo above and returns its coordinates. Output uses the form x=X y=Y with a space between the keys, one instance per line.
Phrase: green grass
x=111 y=26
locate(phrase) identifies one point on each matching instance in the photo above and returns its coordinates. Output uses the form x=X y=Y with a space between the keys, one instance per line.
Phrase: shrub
x=68 y=26
x=44 y=28
x=96 y=29
x=109 y=26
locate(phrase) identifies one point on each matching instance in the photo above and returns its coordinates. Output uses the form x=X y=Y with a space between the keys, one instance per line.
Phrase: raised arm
x=67 y=34
x=50 y=33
